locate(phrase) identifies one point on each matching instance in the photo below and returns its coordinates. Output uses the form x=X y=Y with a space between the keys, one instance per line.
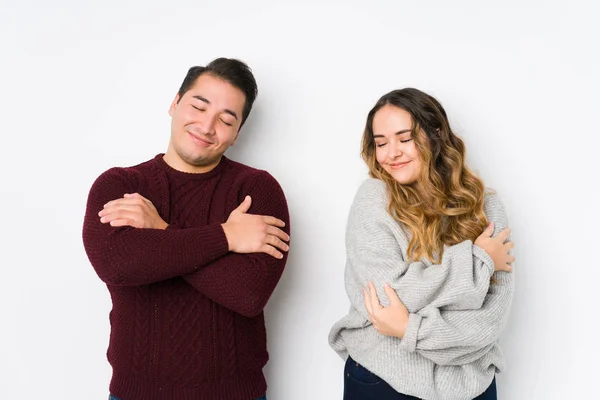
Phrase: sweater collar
x=173 y=173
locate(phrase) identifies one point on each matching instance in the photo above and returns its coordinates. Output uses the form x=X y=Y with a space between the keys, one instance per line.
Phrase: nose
x=207 y=124
x=394 y=150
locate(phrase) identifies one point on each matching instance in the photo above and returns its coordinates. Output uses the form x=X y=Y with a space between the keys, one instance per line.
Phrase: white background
x=85 y=86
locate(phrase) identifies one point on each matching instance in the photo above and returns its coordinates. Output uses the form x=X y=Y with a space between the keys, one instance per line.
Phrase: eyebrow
x=397 y=133
x=227 y=111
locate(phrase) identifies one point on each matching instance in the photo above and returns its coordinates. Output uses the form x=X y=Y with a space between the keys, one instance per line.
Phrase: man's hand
x=390 y=320
x=248 y=233
x=132 y=210
x=497 y=248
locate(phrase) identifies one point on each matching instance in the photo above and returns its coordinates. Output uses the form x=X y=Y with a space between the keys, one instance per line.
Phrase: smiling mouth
x=200 y=139
x=399 y=165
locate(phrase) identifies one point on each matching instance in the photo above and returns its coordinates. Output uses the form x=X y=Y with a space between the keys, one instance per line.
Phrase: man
x=191 y=246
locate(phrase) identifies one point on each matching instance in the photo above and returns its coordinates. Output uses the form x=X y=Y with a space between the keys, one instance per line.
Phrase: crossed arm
x=236 y=264
x=431 y=318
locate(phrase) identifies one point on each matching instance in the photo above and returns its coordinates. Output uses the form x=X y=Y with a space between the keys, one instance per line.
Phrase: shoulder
x=116 y=176
x=250 y=178
x=370 y=203
x=371 y=197
x=369 y=221
x=372 y=192
x=238 y=167
x=267 y=195
x=123 y=179
x=129 y=176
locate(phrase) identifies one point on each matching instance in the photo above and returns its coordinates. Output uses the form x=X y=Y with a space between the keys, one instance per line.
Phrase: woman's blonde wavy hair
x=445 y=205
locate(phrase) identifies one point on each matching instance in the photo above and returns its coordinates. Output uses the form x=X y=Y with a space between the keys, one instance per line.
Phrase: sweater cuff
x=484 y=257
x=213 y=242
x=409 y=340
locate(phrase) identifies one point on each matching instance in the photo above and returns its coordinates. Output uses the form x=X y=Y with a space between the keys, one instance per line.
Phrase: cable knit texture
x=450 y=349
x=187 y=320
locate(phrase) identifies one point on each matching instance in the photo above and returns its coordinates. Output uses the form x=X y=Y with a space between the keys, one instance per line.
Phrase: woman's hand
x=390 y=320
x=497 y=247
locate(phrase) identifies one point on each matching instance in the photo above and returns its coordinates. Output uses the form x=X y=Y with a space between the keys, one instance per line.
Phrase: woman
x=421 y=232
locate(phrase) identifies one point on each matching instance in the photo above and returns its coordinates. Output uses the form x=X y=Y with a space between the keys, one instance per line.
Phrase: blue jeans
x=111 y=397
x=362 y=384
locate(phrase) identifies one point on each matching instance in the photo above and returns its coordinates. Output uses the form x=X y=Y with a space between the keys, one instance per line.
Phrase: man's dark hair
x=233 y=71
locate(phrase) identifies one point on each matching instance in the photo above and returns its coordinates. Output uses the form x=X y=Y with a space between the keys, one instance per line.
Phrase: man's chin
x=202 y=161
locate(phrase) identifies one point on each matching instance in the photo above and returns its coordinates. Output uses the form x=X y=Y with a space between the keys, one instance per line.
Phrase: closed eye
x=381 y=144
x=406 y=141
x=226 y=123
x=199 y=109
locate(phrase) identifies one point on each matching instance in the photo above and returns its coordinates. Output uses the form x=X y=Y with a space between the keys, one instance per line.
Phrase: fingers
x=391 y=294
x=130 y=207
x=488 y=231
x=109 y=219
x=272 y=251
x=245 y=205
x=136 y=196
x=503 y=236
x=112 y=202
x=277 y=243
x=273 y=221
x=508 y=266
x=123 y=222
x=124 y=201
x=122 y=211
x=278 y=233
x=375 y=304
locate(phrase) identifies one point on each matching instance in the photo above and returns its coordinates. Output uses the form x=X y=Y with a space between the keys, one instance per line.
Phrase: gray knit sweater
x=450 y=349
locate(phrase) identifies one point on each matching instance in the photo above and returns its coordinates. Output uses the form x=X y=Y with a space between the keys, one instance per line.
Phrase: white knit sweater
x=450 y=349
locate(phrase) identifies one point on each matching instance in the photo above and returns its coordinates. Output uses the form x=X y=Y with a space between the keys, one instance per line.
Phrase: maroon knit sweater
x=187 y=319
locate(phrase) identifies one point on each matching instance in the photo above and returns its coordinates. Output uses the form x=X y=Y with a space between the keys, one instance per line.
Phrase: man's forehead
x=212 y=89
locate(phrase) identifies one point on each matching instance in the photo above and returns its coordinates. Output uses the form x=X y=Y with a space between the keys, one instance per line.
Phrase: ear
x=174 y=105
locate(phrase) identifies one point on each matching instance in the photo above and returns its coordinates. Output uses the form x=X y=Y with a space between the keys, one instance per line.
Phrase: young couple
x=192 y=244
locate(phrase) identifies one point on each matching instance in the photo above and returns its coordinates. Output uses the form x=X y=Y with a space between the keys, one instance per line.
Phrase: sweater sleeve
x=126 y=256
x=374 y=243
x=244 y=282
x=460 y=337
